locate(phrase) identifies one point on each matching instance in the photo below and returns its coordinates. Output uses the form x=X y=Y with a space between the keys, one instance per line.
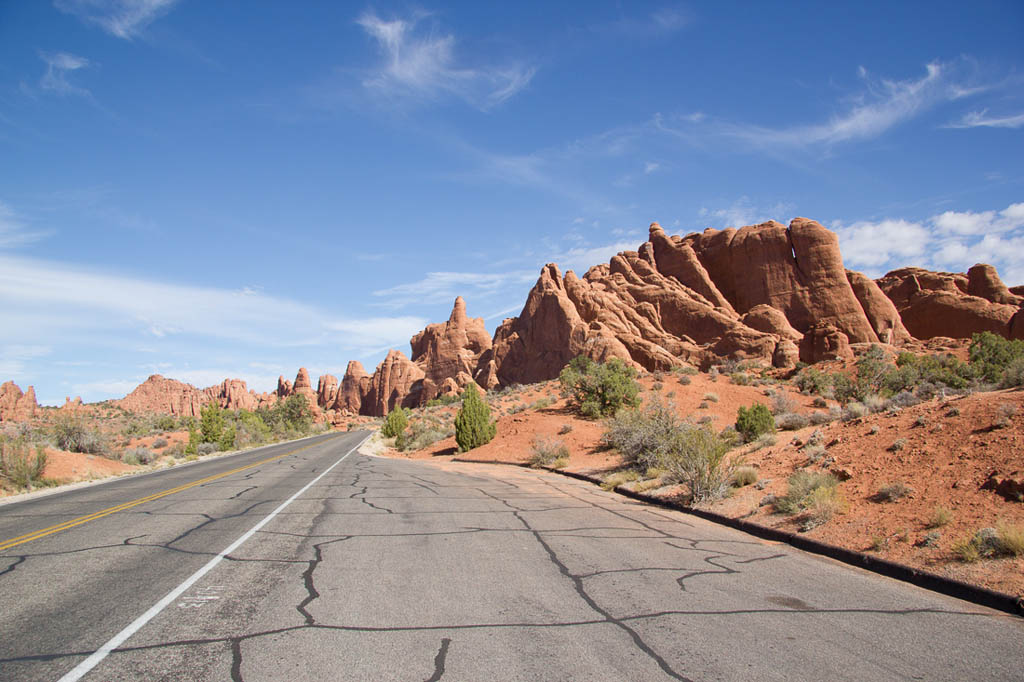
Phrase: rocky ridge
x=772 y=293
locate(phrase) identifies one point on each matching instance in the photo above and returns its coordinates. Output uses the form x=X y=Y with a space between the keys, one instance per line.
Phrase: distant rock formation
x=16 y=406
x=767 y=292
x=942 y=303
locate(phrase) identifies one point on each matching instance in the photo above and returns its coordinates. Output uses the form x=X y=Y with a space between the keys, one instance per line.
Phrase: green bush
x=211 y=423
x=227 y=438
x=473 y=425
x=71 y=434
x=991 y=355
x=548 y=452
x=19 y=464
x=395 y=423
x=599 y=389
x=166 y=422
x=753 y=421
x=801 y=485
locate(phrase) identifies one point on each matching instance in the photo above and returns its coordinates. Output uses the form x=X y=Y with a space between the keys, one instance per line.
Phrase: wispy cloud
x=443 y=287
x=423 y=64
x=47 y=300
x=58 y=67
x=13 y=232
x=981 y=119
x=125 y=19
x=951 y=240
x=884 y=104
x=742 y=212
x=661 y=22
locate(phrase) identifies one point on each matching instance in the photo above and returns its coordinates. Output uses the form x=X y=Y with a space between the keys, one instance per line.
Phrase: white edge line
x=88 y=664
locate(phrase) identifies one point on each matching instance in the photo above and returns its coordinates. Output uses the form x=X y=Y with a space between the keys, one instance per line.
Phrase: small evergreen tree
x=753 y=421
x=193 y=440
x=600 y=389
x=395 y=423
x=227 y=438
x=211 y=423
x=473 y=425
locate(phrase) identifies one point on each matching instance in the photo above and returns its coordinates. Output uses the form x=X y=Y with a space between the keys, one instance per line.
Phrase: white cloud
x=14 y=356
x=946 y=241
x=661 y=22
x=968 y=223
x=58 y=66
x=423 y=64
x=121 y=18
x=981 y=119
x=13 y=232
x=874 y=244
x=651 y=167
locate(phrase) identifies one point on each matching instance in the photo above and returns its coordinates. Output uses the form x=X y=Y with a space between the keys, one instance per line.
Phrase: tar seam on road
x=35 y=535
x=92 y=661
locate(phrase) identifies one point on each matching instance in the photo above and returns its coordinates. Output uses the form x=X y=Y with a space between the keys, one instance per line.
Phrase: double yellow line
x=35 y=535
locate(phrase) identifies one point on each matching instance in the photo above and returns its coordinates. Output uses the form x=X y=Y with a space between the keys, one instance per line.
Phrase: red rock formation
x=450 y=350
x=397 y=381
x=354 y=385
x=304 y=388
x=326 y=391
x=232 y=394
x=983 y=281
x=880 y=311
x=284 y=387
x=16 y=406
x=937 y=303
x=824 y=342
x=158 y=394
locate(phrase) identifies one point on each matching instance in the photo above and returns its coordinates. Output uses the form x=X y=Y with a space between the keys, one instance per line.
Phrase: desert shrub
x=446 y=399
x=289 y=418
x=819 y=402
x=473 y=425
x=741 y=378
x=546 y=451
x=541 y=403
x=250 y=429
x=812 y=381
x=800 y=486
x=423 y=434
x=854 y=411
x=159 y=443
x=791 y=421
x=177 y=450
x=892 y=492
x=211 y=423
x=642 y=435
x=898 y=445
x=707 y=419
x=754 y=421
x=71 y=434
x=902 y=400
x=921 y=421
x=940 y=517
x=21 y=463
x=814 y=452
x=711 y=397
x=685 y=370
x=744 y=476
x=990 y=355
x=206 y=448
x=685 y=380
x=395 y=423
x=821 y=505
x=696 y=457
x=819 y=417
x=1013 y=375
x=566 y=428
x=782 y=403
x=763 y=441
x=192 y=448
x=874 y=402
x=166 y=422
x=1003 y=540
x=599 y=389
x=138 y=456
x=873 y=431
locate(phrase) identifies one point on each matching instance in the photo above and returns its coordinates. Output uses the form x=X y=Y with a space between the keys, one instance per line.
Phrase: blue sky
x=215 y=189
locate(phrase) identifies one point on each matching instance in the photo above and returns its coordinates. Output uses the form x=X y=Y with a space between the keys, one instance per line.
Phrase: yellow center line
x=35 y=535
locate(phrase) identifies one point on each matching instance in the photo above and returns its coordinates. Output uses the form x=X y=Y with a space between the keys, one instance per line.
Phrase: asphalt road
x=382 y=569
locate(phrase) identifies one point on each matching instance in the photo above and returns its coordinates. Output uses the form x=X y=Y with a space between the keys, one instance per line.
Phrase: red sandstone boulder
x=823 y=342
x=880 y=311
x=983 y=281
x=167 y=396
x=354 y=385
x=326 y=390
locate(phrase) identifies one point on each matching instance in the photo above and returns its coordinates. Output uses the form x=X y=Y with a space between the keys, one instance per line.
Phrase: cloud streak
x=125 y=19
x=981 y=119
x=423 y=65
x=58 y=67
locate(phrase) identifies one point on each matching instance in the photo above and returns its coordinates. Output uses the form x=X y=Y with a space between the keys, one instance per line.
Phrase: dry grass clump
x=549 y=452
x=892 y=492
x=814 y=494
x=744 y=476
x=618 y=478
x=1004 y=540
x=940 y=517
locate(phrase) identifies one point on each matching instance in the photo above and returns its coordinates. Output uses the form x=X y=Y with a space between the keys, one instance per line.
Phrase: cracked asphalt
x=405 y=570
